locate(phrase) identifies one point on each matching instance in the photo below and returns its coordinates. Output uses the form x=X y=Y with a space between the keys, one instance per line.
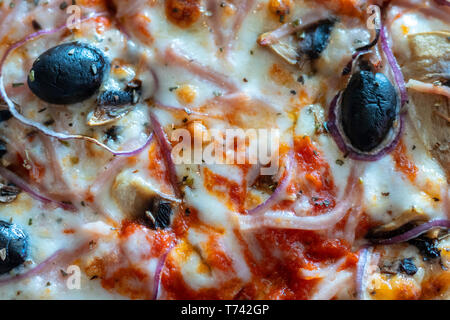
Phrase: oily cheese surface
x=105 y=223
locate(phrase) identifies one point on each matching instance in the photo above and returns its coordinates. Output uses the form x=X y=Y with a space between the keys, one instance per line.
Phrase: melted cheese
x=122 y=263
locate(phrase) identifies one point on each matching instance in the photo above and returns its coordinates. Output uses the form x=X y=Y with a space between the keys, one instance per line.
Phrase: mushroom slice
x=135 y=195
x=114 y=104
x=429 y=114
x=302 y=38
x=412 y=216
x=107 y=114
x=285 y=47
x=427 y=68
x=8 y=193
x=430 y=57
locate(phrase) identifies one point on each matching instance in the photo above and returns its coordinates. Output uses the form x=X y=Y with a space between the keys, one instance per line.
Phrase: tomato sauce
x=225 y=189
x=176 y=287
x=129 y=282
x=157 y=168
x=403 y=163
x=316 y=180
x=277 y=276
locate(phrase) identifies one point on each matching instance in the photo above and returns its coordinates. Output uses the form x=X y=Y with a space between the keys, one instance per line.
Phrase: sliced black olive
x=113 y=133
x=5 y=115
x=13 y=246
x=3 y=149
x=368 y=109
x=427 y=247
x=68 y=73
x=115 y=98
x=159 y=214
x=408 y=267
x=8 y=193
x=316 y=38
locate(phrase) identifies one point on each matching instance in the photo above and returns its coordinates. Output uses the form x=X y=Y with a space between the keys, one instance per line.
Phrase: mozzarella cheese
x=188 y=76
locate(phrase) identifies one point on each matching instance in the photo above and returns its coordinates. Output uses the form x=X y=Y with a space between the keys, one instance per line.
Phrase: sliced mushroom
x=430 y=57
x=298 y=40
x=159 y=213
x=400 y=224
x=114 y=104
x=103 y=115
x=286 y=49
x=429 y=114
x=427 y=71
x=8 y=193
x=135 y=195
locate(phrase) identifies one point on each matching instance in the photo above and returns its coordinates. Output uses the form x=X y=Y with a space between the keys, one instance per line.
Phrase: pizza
x=225 y=149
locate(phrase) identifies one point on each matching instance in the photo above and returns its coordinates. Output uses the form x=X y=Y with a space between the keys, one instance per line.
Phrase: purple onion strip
x=415 y=232
x=397 y=72
x=19 y=182
x=278 y=194
x=166 y=149
x=361 y=267
x=158 y=272
x=35 y=271
x=443 y=2
x=350 y=65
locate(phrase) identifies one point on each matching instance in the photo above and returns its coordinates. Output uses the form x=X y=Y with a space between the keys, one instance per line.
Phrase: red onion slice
x=361 y=268
x=19 y=182
x=174 y=55
x=415 y=232
x=214 y=20
x=345 y=146
x=166 y=149
x=35 y=271
x=279 y=192
x=288 y=220
x=62 y=257
x=430 y=88
x=131 y=153
x=397 y=72
x=243 y=9
x=351 y=64
x=176 y=109
x=38 y=126
x=443 y=2
x=286 y=29
x=158 y=272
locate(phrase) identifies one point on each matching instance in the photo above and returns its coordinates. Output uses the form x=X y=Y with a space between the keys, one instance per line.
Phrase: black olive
x=5 y=115
x=408 y=267
x=68 y=73
x=8 y=193
x=159 y=214
x=115 y=98
x=316 y=38
x=113 y=133
x=3 y=149
x=162 y=219
x=369 y=105
x=14 y=246
x=427 y=247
